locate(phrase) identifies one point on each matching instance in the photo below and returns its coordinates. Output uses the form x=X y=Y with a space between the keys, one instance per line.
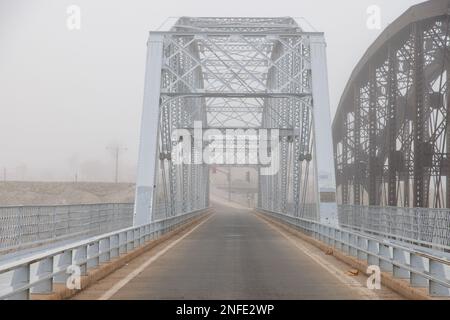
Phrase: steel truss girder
x=236 y=73
x=394 y=150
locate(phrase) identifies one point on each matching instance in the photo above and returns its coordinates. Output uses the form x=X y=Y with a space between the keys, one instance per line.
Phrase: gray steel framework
x=391 y=131
x=247 y=73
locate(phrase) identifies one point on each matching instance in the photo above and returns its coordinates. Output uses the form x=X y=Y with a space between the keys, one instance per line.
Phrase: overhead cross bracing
x=242 y=73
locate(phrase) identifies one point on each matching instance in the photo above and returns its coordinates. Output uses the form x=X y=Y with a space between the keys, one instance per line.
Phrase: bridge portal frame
x=194 y=76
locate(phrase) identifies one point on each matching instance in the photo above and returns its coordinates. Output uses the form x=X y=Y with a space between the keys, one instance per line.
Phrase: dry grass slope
x=49 y=193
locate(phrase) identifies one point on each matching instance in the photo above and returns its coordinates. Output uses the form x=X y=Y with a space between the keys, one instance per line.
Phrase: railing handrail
x=396 y=245
x=389 y=212
x=401 y=238
x=64 y=205
x=52 y=252
x=87 y=253
x=394 y=207
x=436 y=279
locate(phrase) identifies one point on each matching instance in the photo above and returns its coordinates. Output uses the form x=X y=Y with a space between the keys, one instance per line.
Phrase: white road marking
x=339 y=274
x=119 y=285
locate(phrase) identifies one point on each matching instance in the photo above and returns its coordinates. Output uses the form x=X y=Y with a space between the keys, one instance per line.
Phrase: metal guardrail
x=420 y=269
x=420 y=244
x=38 y=274
x=414 y=224
x=27 y=225
x=306 y=210
x=162 y=210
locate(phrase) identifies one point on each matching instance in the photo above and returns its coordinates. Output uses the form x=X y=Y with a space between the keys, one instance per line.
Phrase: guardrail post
x=147 y=233
x=136 y=237
x=320 y=233
x=401 y=257
x=353 y=244
x=385 y=252
x=362 y=247
x=372 y=247
x=41 y=270
x=338 y=239
x=130 y=240
x=142 y=235
x=61 y=262
x=105 y=247
x=438 y=270
x=418 y=263
x=152 y=231
x=345 y=242
x=80 y=259
x=114 y=243
x=159 y=229
x=332 y=235
x=123 y=246
x=93 y=255
x=14 y=280
x=313 y=227
x=324 y=233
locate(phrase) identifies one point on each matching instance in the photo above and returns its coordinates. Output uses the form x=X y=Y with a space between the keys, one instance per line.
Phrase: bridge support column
x=418 y=262
x=322 y=119
x=146 y=173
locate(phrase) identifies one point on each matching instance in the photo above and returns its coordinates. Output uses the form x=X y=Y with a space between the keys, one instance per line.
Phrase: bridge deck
x=234 y=255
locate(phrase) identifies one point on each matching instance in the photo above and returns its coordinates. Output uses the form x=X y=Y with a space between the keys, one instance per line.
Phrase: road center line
x=119 y=285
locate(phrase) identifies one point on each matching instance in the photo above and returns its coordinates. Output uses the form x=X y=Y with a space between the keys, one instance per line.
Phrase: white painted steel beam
x=148 y=152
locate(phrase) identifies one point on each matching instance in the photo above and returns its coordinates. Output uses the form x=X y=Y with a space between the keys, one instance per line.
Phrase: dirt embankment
x=49 y=193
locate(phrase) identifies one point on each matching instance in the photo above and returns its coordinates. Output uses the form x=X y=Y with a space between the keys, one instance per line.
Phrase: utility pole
x=116 y=151
x=4 y=173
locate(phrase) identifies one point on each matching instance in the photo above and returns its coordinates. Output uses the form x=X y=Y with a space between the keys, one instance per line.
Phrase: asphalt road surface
x=232 y=255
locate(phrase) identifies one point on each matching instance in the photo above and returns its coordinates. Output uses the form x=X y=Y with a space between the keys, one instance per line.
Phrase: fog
x=68 y=95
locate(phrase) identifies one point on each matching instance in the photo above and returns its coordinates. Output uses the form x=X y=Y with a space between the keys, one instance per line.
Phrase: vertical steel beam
x=343 y=178
x=391 y=119
x=357 y=166
x=419 y=81
x=373 y=160
x=321 y=114
x=447 y=129
x=146 y=173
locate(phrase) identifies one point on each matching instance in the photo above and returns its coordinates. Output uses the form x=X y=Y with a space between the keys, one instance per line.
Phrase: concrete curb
x=399 y=286
x=61 y=292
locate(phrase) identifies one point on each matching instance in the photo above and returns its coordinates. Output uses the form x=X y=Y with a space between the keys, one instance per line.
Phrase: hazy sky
x=66 y=95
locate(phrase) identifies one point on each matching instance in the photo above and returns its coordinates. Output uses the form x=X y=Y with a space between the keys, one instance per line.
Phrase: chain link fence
x=27 y=225
x=421 y=225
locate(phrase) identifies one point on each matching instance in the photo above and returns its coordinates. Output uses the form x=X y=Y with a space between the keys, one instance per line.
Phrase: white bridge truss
x=240 y=73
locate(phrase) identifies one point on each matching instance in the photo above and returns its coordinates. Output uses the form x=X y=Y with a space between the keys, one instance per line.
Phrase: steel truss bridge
x=234 y=73
x=391 y=129
x=259 y=86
